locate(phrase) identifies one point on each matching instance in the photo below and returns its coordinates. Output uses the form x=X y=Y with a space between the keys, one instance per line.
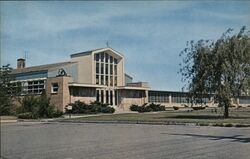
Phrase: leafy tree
x=220 y=68
x=29 y=104
x=37 y=107
x=8 y=90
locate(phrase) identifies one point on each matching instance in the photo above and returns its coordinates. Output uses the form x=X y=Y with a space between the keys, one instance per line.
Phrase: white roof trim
x=27 y=80
x=134 y=88
x=86 y=85
x=110 y=49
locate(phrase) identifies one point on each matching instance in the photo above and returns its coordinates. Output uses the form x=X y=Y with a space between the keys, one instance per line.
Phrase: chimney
x=20 y=63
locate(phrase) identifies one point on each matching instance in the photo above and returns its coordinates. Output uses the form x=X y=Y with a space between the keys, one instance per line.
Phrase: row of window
x=134 y=94
x=106 y=96
x=106 y=69
x=27 y=87
x=34 y=87
x=163 y=97
x=109 y=68
x=108 y=80
x=83 y=92
x=105 y=57
x=158 y=99
x=244 y=100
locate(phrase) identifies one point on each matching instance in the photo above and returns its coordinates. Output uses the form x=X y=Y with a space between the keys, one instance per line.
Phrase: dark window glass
x=115 y=61
x=106 y=80
x=107 y=97
x=111 y=80
x=102 y=97
x=102 y=56
x=111 y=98
x=102 y=80
x=97 y=67
x=115 y=69
x=115 y=80
x=97 y=96
x=116 y=98
x=55 y=88
x=111 y=59
x=96 y=57
x=97 y=79
x=106 y=69
x=102 y=68
x=111 y=69
x=106 y=57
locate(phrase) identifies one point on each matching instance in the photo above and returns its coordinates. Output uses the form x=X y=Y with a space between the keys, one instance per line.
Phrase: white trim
x=133 y=88
x=87 y=85
x=110 y=49
x=33 y=79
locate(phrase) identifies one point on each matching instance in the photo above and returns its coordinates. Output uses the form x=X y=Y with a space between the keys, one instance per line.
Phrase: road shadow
x=234 y=138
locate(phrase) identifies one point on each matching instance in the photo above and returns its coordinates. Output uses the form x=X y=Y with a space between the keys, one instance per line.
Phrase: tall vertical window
x=111 y=59
x=97 y=79
x=97 y=67
x=96 y=57
x=107 y=97
x=97 y=95
x=102 y=68
x=115 y=61
x=106 y=69
x=106 y=57
x=116 y=98
x=102 y=80
x=115 y=83
x=111 y=81
x=111 y=97
x=102 y=96
x=102 y=56
x=106 y=80
x=115 y=69
x=111 y=69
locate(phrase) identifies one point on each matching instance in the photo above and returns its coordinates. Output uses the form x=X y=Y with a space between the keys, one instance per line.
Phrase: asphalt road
x=108 y=141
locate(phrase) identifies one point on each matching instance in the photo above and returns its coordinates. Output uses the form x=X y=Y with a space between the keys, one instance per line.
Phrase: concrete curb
x=157 y=123
x=8 y=121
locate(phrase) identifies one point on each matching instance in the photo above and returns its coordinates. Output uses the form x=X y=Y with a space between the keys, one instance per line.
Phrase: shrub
x=157 y=107
x=134 y=107
x=218 y=124
x=198 y=108
x=57 y=114
x=94 y=107
x=203 y=124
x=228 y=125
x=241 y=125
x=142 y=109
x=27 y=115
x=176 y=108
x=150 y=108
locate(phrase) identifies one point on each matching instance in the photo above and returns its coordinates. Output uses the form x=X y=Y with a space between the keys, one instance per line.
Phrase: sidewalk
x=8 y=119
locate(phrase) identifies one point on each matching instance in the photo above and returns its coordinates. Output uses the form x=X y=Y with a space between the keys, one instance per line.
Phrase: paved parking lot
x=107 y=141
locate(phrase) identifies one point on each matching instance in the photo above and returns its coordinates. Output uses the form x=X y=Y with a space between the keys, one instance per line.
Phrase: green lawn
x=237 y=116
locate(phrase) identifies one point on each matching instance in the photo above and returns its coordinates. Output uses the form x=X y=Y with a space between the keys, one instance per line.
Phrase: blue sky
x=150 y=34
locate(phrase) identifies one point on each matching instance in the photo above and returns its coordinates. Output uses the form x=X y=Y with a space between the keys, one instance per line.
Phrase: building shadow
x=234 y=138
